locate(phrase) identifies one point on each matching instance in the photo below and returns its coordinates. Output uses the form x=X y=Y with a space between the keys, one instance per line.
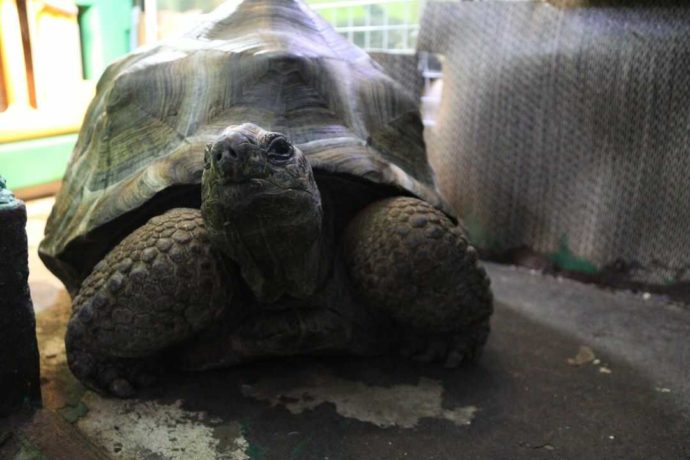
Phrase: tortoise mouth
x=244 y=181
x=254 y=193
x=258 y=185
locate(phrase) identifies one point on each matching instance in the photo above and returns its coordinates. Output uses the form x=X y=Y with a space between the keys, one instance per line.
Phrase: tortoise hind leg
x=409 y=261
x=156 y=288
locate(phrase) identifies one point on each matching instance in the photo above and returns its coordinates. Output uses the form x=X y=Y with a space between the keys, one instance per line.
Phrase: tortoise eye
x=280 y=149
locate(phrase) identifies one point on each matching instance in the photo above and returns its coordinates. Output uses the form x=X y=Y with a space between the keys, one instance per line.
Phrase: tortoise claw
x=451 y=349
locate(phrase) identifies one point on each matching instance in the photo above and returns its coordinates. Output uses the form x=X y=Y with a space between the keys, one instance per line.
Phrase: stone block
x=19 y=365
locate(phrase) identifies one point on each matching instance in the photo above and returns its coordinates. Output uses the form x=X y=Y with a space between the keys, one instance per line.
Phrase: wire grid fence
x=389 y=30
x=375 y=25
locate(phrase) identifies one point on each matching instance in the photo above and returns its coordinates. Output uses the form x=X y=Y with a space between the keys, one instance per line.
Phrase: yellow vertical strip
x=12 y=55
x=46 y=92
x=56 y=51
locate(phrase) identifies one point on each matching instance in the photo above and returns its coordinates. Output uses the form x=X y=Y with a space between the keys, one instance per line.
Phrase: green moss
x=567 y=260
x=299 y=449
x=254 y=451
x=28 y=451
x=477 y=234
x=74 y=413
x=6 y=197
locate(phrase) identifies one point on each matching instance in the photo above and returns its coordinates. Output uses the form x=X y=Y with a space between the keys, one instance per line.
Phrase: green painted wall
x=36 y=161
x=106 y=27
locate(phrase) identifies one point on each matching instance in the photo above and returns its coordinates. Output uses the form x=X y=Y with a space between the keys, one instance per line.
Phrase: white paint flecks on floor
x=398 y=405
x=143 y=429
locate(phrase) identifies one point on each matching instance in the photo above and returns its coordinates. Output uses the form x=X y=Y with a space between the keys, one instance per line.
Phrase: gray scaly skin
x=261 y=271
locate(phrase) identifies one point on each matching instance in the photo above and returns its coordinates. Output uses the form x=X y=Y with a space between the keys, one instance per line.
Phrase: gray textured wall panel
x=567 y=127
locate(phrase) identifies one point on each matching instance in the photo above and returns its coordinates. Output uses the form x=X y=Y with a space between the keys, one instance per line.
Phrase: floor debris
x=584 y=355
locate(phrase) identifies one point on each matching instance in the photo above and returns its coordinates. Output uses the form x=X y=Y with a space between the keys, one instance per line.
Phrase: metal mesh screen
x=374 y=25
x=567 y=130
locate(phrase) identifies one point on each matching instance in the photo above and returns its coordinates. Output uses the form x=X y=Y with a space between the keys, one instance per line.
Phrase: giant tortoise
x=256 y=187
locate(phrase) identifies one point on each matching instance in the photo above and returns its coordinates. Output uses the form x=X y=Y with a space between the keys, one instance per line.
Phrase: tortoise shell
x=274 y=63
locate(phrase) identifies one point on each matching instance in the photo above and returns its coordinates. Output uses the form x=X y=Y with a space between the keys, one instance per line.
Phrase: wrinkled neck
x=276 y=239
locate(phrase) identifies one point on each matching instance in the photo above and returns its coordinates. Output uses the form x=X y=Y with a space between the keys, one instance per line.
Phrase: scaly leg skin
x=410 y=261
x=329 y=322
x=266 y=334
x=158 y=287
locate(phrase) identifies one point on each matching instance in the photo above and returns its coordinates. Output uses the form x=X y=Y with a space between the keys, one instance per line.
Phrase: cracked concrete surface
x=145 y=429
x=524 y=398
x=397 y=405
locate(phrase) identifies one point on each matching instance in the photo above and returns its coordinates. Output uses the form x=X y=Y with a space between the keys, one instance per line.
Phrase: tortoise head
x=262 y=209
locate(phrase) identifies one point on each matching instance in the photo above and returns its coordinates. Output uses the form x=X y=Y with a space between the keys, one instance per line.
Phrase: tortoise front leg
x=411 y=262
x=156 y=288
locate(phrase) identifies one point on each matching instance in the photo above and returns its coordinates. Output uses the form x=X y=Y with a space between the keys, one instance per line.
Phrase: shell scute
x=274 y=63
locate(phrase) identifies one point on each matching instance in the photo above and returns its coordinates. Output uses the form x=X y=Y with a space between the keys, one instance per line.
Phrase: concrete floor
x=45 y=287
x=570 y=371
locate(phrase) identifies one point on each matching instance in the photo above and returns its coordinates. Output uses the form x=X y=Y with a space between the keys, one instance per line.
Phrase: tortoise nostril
x=228 y=153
